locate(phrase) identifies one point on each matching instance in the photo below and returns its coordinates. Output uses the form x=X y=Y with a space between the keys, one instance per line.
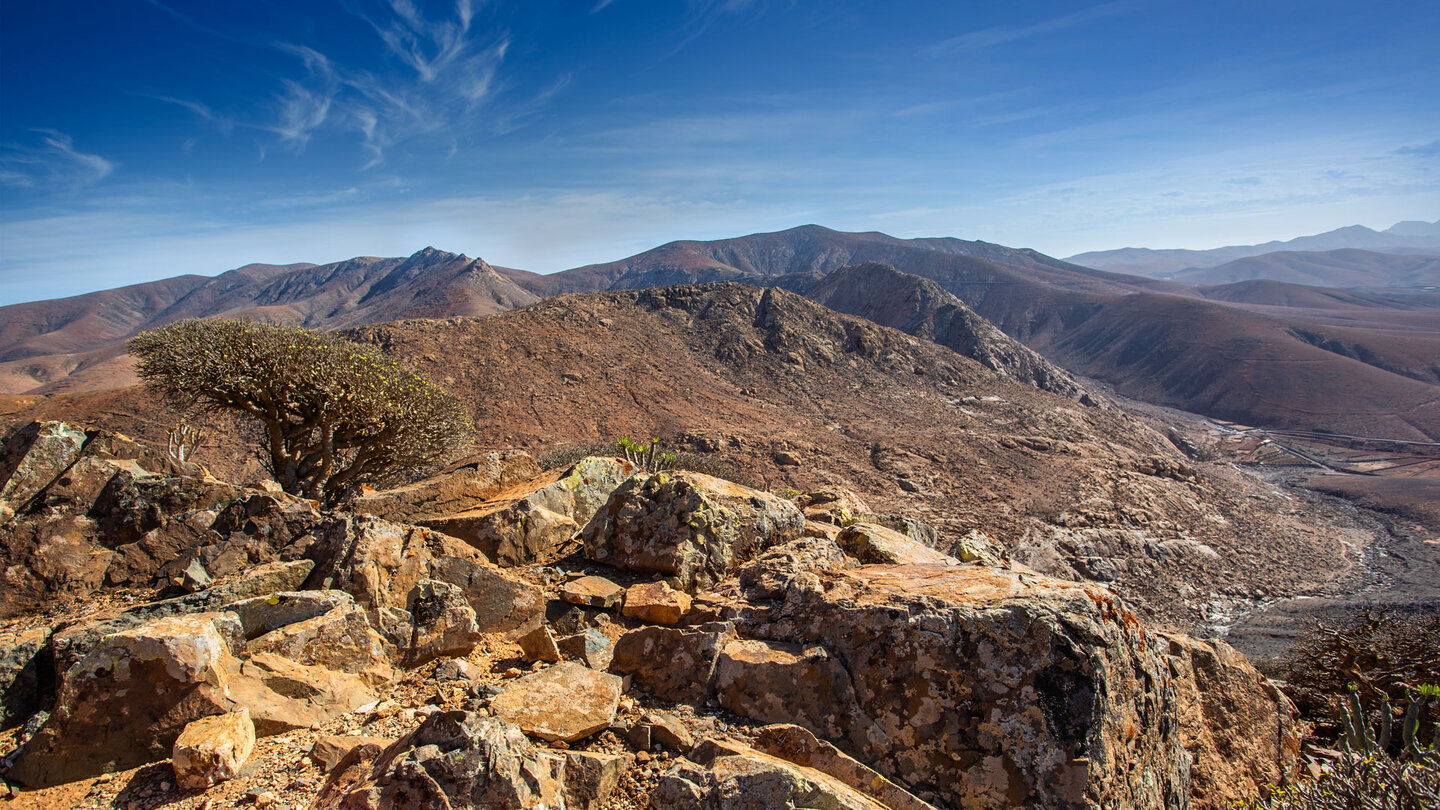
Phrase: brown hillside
x=801 y=397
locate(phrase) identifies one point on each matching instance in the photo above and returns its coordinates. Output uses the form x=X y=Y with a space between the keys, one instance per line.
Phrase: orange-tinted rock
x=566 y=702
x=213 y=749
x=874 y=544
x=596 y=592
x=655 y=602
x=1238 y=727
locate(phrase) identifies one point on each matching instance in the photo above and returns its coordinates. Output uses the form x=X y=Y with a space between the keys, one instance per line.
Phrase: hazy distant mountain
x=1405 y=237
x=1332 y=268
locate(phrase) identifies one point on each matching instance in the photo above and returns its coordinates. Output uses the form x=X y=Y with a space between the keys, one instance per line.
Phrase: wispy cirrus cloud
x=1002 y=35
x=55 y=161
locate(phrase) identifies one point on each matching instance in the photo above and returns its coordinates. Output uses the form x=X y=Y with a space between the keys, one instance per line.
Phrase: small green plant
x=182 y=441
x=1359 y=738
x=646 y=456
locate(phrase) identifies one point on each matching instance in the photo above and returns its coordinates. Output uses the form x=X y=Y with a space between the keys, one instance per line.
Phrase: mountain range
x=1411 y=237
x=1271 y=354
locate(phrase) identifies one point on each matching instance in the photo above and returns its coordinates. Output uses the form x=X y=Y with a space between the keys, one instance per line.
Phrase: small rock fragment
x=592 y=591
x=656 y=602
x=213 y=749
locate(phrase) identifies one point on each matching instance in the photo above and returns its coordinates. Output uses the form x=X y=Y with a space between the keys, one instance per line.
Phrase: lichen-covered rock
x=261 y=614
x=455 y=760
x=591 y=777
x=342 y=640
x=591 y=648
x=774 y=681
x=531 y=521
x=655 y=602
x=878 y=545
x=694 y=527
x=1239 y=728
x=443 y=623
x=795 y=566
x=798 y=745
x=21 y=677
x=987 y=687
x=32 y=458
x=379 y=563
x=672 y=663
x=124 y=704
x=212 y=749
x=976 y=546
x=566 y=702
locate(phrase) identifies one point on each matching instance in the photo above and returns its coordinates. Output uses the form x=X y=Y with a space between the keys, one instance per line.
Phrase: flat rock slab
x=656 y=603
x=566 y=702
x=596 y=592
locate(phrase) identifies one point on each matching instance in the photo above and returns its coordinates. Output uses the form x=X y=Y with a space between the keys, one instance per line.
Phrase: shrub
x=1362 y=782
x=335 y=415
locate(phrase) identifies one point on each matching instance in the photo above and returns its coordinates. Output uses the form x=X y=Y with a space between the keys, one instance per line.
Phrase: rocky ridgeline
x=678 y=641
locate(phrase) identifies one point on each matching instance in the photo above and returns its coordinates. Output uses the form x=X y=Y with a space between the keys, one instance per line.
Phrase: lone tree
x=335 y=414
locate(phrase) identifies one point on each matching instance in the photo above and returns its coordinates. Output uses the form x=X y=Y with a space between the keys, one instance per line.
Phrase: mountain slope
x=1404 y=237
x=760 y=379
x=920 y=307
x=1334 y=268
x=78 y=343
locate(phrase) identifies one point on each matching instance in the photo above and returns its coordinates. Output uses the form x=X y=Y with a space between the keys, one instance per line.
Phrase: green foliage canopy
x=335 y=414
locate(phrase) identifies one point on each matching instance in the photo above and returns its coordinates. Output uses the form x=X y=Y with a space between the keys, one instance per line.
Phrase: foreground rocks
x=693 y=527
x=127 y=701
x=886 y=673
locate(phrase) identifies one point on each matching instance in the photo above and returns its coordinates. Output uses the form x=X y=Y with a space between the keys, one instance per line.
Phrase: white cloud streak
x=992 y=37
x=56 y=162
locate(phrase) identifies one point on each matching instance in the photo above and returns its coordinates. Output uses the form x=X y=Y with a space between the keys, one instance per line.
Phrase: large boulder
x=533 y=520
x=1239 y=728
x=341 y=640
x=127 y=701
x=283 y=695
x=988 y=688
x=380 y=563
x=693 y=527
x=672 y=663
x=871 y=543
x=455 y=760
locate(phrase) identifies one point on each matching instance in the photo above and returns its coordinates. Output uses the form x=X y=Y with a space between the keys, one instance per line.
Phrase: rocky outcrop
x=127 y=701
x=1239 y=728
x=460 y=489
x=693 y=527
x=532 y=521
x=870 y=543
x=457 y=760
x=985 y=687
x=380 y=563
x=22 y=673
x=32 y=459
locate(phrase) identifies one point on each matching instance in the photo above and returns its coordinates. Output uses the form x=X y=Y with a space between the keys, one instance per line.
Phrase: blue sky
x=141 y=139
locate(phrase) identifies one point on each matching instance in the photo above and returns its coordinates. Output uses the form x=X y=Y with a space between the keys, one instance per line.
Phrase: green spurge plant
x=646 y=455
